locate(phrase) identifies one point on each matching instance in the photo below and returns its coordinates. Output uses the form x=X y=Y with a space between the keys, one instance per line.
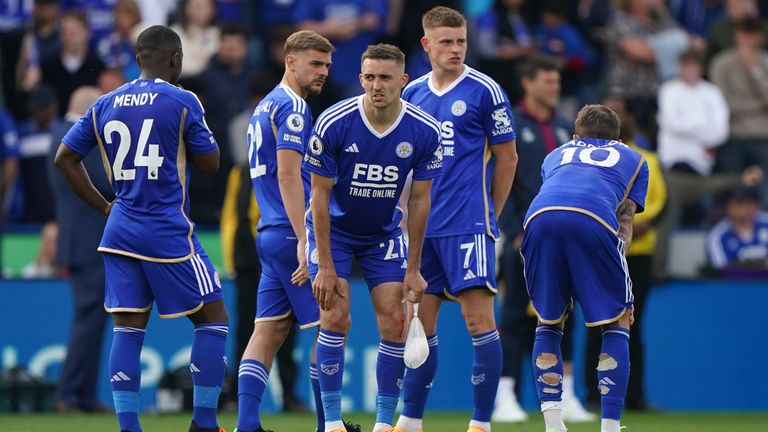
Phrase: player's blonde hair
x=307 y=40
x=441 y=16
x=597 y=121
x=384 y=52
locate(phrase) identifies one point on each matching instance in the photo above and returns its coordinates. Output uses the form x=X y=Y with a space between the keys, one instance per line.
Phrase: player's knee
x=335 y=320
x=477 y=322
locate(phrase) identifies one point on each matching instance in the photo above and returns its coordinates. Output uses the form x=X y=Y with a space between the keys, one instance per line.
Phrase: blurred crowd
x=690 y=75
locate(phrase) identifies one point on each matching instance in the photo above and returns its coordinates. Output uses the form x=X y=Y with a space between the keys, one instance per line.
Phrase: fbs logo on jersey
x=295 y=122
x=316 y=146
x=459 y=108
x=404 y=150
x=503 y=123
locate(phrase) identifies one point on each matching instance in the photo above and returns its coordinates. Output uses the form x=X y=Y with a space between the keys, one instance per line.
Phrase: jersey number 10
x=153 y=161
x=585 y=156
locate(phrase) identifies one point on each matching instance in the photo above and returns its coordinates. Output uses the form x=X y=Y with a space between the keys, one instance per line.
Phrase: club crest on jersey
x=404 y=150
x=503 y=122
x=316 y=146
x=313 y=256
x=459 y=108
x=295 y=122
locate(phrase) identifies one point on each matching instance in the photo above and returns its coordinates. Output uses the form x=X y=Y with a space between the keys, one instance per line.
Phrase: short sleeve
x=321 y=157
x=639 y=188
x=81 y=137
x=497 y=118
x=293 y=128
x=197 y=135
x=430 y=163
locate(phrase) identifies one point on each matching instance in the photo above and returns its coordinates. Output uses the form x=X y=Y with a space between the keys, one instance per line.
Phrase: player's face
x=382 y=81
x=446 y=47
x=545 y=88
x=310 y=68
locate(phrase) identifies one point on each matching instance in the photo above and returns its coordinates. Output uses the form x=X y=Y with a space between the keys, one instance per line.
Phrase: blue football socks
x=330 y=365
x=208 y=364
x=125 y=371
x=252 y=379
x=486 y=371
x=613 y=371
x=389 y=377
x=417 y=383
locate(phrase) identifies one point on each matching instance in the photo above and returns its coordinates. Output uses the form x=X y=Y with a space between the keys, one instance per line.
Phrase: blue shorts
x=569 y=254
x=178 y=288
x=380 y=263
x=454 y=263
x=277 y=297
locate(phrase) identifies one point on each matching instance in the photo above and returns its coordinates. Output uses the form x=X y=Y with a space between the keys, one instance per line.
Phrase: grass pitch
x=435 y=422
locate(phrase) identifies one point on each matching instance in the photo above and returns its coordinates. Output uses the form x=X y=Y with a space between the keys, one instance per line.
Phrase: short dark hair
x=232 y=30
x=78 y=15
x=693 y=54
x=307 y=40
x=597 y=121
x=384 y=52
x=531 y=67
x=441 y=16
x=157 y=39
x=750 y=24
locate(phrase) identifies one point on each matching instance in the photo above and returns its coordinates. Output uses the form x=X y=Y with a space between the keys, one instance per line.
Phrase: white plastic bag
x=416 y=346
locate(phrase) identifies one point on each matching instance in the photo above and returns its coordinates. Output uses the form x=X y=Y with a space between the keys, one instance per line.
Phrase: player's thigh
x=390 y=310
x=383 y=262
x=600 y=275
x=341 y=254
x=432 y=268
x=126 y=286
x=183 y=288
x=544 y=249
x=277 y=297
x=469 y=261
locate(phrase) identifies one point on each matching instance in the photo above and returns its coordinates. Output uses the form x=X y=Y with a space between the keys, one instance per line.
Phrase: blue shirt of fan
x=370 y=168
x=726 y=247
x=474 y=114
x=282 y=120
x=144 y=130
x=591 y=176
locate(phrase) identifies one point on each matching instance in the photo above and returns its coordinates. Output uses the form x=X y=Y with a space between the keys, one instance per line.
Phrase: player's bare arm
x=326 y=284
x=625 y=214
x=503 y=174
x=418 y=210
x=207 y=163
x=70 y=164
x=292 y=194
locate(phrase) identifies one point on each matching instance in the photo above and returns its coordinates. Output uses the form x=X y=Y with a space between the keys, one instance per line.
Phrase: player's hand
x=108 y=209
x=326 y=287
x=414 y=286
x=301 y=275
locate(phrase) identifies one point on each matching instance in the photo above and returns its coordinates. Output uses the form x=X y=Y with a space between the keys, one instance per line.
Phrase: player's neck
x=442 y=78
x=537 y=110
x=147 y=74
x=382 y=119
x=290 y=81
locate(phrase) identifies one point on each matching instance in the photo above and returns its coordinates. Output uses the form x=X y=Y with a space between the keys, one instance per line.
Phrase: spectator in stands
x=110 y=79
x=540 y=129
x=76 y=64
x=156 y=12
x=720 y=36
x=640 y=264
x=118 y=50
x=740 y=241
x=503 y=41
x=98 y=13
x=199 y=35
x=351 y=26
x=641 y=36
x=224 y=83
x=80 y=229
x=13 y=20
x=41 y=44
x=697 y=16
x=9 y=164
x=741 y=73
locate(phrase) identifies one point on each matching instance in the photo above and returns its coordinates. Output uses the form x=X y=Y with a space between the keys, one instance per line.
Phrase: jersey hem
x=185 y=313
x=273 y=318
x=573 y=209
x=309 y=325
x=127 y=309
x=608 y=321
x=146 y=258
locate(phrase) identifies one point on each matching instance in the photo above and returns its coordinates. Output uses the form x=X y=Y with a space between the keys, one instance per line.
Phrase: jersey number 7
x=153 y=161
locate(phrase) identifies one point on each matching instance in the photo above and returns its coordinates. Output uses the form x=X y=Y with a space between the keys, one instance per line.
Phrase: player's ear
x=290 y=62
x=425 y=44
x=404 y=80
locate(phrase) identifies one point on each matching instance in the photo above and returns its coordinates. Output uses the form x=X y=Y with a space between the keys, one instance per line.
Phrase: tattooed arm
x=626 y=214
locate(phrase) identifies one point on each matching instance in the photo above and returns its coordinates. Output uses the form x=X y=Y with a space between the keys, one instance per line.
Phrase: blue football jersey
x=370 y=168
x=591 y=176
x=726 y=247
x=282 y=120
x=474 y=113
x=144 y=131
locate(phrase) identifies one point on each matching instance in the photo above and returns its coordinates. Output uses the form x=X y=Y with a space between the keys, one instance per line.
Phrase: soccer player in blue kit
x=480 y=160
x=277 y=137
x=145 y=131
x=360 y=155
x=577 y=231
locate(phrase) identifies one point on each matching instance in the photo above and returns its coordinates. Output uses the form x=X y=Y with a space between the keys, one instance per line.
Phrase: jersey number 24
x=153 y=161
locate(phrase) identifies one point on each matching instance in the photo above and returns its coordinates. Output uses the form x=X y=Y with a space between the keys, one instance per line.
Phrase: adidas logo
x=352 y=149
x=193 y=368
x=404 y=264
x=607 y=381
x=120 y=376
x=470 y=275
